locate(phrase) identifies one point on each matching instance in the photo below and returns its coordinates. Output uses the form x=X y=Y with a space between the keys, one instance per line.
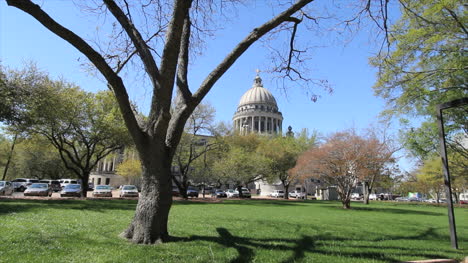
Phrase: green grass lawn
x=230 y=231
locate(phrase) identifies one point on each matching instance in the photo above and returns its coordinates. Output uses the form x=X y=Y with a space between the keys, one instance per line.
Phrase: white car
x=356 y=196
x=245 y=193
x=297 y=194
x=277 y=193
x=372 y=197
x=102 y=191
x=232 y=194
x=129 y=191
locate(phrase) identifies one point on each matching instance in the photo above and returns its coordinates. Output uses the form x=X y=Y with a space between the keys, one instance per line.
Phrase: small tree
x=195 y=143
x=130 y=169
x=378 y=161
x=338 y=162
x=283 y=153
x=240 y=163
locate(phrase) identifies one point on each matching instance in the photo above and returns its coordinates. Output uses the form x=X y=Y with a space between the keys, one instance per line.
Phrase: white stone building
x=258 y=112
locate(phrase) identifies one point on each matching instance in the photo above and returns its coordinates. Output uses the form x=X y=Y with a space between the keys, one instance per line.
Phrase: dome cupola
x=257 y=111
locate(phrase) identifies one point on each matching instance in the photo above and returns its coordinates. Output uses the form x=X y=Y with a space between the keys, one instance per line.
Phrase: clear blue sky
x=346 y=67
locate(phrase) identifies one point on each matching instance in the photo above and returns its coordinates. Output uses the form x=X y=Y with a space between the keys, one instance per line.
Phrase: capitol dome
x=257 y=95
x=257 y=111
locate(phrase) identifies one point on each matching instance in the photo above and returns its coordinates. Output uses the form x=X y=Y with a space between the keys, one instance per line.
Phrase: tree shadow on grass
x=319 y=244
x=24 y=205
x=390 y=210
x=250 y=202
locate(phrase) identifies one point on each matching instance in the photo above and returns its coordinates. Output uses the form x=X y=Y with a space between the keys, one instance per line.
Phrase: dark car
x=218 y=193
x=71 y=190
x=20 y=184
x=192 y=192
x=175 y=191
x=53 y=184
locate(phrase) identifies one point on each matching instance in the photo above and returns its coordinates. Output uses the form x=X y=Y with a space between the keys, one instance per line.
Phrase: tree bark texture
x=149 y=225
x=286 y=190
x=10 y=156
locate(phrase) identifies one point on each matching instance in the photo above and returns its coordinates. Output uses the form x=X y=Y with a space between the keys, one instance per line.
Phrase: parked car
x=245 y=193
x=192 y=192
x=128 y=191
x=277 y=193
x=71 y=190
x=102 y=191
x=356 y=196
x=401 y=199
x=230 y=193
x=218 y=193
x=90 y=186
x=64 y=182
x=372 y=197
x=175 y=191
x=53 y=184
x=464 y=202
x=20 y=184
x=6 y=188
x=297 y=194
x=38 y=189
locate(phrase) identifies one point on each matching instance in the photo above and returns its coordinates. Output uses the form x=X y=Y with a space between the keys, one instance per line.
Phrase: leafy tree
x=168 y=33
x=83 y=127
x=130 y=169
x=426 y=66
x=35 y=157
x=240 y=163
x=378 y=160
x=429 y=178
x=283 y=153
x=341 y=161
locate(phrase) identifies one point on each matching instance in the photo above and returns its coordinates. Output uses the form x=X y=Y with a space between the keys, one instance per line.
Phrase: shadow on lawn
x=259 y=202
x=387 y=209
x=17 y=206
x=320 y=244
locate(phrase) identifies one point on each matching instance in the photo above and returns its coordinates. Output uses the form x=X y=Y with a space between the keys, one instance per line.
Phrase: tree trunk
x=149 y=225
x=10 y=156
x=346 y=203
x=85 y=184
x=366 y=191
x=239 y=189
x=286 y=191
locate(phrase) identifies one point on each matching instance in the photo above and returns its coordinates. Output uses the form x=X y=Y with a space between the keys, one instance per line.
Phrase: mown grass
x=230 y=231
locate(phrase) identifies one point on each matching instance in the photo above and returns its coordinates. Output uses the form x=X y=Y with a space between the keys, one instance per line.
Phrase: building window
x=107 y=181
x=99 y=181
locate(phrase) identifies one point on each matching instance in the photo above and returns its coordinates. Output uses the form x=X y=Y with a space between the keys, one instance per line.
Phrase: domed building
x=258 y=111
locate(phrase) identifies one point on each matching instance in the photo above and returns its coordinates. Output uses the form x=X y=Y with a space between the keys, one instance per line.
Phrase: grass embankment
x=230 y=231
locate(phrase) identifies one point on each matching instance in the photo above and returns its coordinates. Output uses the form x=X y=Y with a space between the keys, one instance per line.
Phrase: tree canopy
x=82 y=126
x=424 y=66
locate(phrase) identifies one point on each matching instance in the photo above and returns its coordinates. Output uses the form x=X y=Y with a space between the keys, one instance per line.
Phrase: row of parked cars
x=69 y=188
x=292 y=194
x=215 y=193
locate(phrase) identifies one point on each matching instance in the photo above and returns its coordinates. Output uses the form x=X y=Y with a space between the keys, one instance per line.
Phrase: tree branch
x=256 y=34
x=113 y=79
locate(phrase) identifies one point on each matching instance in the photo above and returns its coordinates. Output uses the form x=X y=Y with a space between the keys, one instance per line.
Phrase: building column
x=259 y=127
x=253 y=124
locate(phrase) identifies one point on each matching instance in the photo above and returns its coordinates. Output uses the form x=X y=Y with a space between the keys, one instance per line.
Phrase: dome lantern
x=257 y=110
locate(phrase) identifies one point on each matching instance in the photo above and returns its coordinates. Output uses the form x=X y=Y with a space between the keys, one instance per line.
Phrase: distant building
x=258 y=111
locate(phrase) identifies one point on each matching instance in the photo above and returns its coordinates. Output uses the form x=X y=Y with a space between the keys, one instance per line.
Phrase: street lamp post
x=443 y=154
